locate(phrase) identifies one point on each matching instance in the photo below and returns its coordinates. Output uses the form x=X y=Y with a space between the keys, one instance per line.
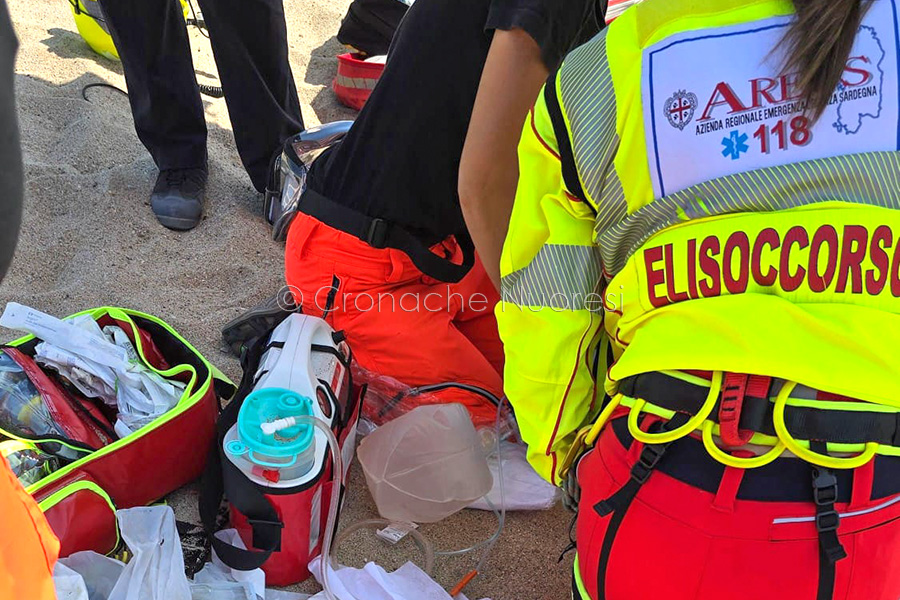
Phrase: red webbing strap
x=736 y=387
x=728 y=489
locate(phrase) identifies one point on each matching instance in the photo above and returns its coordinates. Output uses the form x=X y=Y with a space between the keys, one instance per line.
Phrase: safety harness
x=739 y=409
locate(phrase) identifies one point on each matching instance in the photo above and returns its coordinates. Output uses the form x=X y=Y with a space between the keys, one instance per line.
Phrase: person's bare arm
x=513 y=75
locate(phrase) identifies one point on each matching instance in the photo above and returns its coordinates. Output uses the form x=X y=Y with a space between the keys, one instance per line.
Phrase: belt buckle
x=376 y=236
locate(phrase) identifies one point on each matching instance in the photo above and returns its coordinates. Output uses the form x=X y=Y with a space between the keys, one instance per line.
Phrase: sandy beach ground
x=89 y=239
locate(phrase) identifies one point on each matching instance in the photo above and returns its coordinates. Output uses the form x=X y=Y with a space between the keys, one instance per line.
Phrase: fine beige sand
x=89 y=239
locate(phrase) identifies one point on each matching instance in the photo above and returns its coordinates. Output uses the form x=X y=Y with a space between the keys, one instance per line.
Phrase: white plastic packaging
x=100 y=572
x=222 y=590
x=425 y=465
x=523 y=488
x=156 y=569
x=372 y=582
x=68 y=584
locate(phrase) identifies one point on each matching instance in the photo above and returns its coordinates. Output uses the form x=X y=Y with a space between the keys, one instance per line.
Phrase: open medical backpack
x=80 y=498
x=283 y=523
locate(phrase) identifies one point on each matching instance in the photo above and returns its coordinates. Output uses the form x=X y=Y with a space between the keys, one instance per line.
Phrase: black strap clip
x=824 y=487
x=825 y=494
x=376 y=236
x=647 y=461
x=827 y=520
x=266 y=534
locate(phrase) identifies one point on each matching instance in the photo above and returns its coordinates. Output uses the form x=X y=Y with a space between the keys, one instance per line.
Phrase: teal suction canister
x=281 y=456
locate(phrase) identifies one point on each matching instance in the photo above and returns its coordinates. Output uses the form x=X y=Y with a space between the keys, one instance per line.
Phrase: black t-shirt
x=400 y=160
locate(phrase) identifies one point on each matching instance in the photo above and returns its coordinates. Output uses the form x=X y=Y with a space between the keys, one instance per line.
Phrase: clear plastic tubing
x=424 y=544
x=338 y=481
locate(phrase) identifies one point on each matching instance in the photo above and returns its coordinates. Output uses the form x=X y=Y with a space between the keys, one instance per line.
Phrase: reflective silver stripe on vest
x=560 y=276
x=588 y=100
x=360 y=83
x=870 y=178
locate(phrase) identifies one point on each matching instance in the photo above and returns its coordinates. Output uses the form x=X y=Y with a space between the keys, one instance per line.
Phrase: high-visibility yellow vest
x=676 y=203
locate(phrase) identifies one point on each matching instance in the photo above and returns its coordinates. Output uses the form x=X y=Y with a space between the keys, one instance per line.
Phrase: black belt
x=835 y=426
x=783 y=480
x=380 y=234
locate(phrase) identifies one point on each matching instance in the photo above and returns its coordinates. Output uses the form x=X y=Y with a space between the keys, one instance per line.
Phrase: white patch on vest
x=716 y=104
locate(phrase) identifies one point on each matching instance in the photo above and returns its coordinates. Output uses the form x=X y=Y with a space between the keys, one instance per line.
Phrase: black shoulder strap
x=222 y=478
x=825 y=494
x=566 y=155
x=618 y=504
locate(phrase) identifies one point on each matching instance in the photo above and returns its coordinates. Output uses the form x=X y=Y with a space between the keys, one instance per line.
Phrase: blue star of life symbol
x=735 y=144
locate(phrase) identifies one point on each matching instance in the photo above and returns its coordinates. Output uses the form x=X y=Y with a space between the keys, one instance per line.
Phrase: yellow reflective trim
x=579 y=582
x=15 y=445
x=858 y=406
x=631 y=162
x=602 y=419
x=805 y=453
x=687 y=378
x=736 y=461
x=77 y=486
x=693 y=423
x=120 y=315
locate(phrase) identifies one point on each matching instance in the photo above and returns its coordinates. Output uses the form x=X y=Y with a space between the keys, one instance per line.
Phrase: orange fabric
x=399 y=322
x=28 y=547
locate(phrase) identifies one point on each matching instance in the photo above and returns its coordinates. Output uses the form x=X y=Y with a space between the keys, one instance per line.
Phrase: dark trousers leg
x=10 y=150
x=152 y=41
x=249 y=41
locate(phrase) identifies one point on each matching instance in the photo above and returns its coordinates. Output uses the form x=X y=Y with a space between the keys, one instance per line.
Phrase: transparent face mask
x=290 y=170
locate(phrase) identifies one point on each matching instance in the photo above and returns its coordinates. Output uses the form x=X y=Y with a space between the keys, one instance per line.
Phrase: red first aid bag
x=106 y=473
x=282 y=522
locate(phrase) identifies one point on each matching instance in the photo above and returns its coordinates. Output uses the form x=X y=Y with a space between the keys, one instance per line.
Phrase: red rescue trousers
x=399 y=322
x=28 y=547
x=698 y=530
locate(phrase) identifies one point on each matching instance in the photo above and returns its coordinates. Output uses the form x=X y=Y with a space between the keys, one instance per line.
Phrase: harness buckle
x=827 y=521
x=376 y=236
x=824 y=487
x=647 y=461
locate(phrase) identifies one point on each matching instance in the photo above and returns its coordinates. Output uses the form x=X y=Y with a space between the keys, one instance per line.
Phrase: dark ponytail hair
x=818 y=45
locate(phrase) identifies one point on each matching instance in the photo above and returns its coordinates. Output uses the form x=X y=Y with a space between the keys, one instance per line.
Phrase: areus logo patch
x=736 y=110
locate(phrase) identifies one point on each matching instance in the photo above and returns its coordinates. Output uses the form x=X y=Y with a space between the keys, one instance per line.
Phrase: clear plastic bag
x=426 y=465
x=222 y=590
x=387 y=399
x=100 y=572
x=22 y=409
x=27 y=463
x=68 y=584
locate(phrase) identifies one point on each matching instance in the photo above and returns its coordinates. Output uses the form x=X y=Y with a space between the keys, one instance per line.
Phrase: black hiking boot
x=259 y=320
x=177 y=198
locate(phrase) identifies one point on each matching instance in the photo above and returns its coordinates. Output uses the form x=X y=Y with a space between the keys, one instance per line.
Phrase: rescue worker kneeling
x=701 y=288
